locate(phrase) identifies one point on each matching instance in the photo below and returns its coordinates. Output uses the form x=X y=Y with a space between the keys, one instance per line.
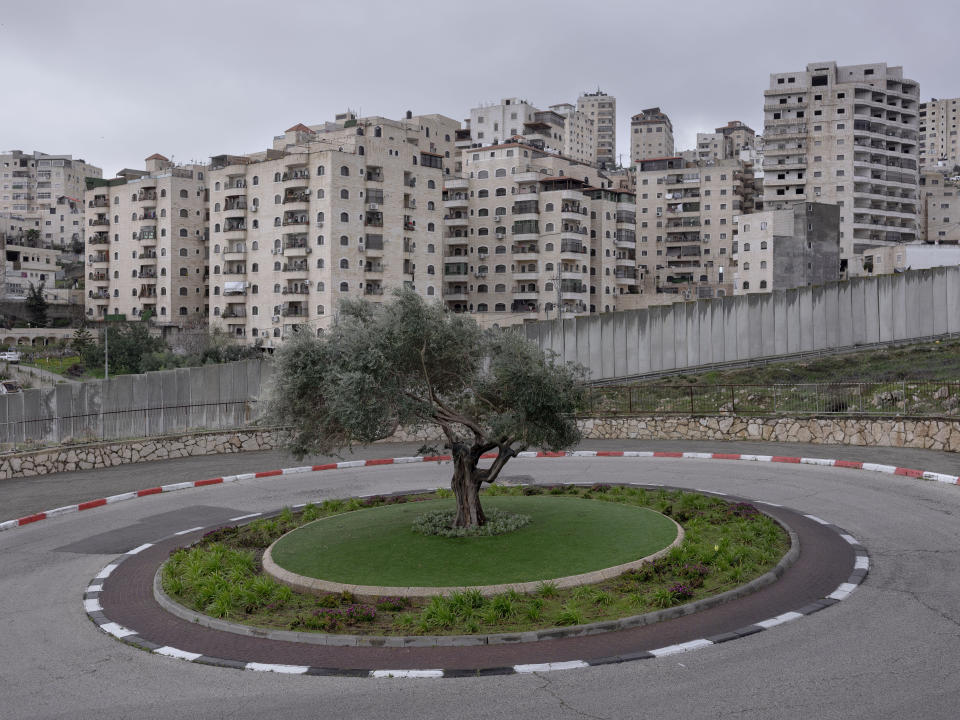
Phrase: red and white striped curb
x=828 y=462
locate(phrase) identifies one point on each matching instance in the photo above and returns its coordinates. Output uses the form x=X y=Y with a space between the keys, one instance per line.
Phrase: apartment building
x=579 y=133
x=531 y=234
x=845 y=135
x=44 y=193
x=651 y=136
x=602 y=109
x=897 y=258
x=351 y=208
x=147 y=244
x=563 y=129
x=789 y=248
x=938 y=140
x=939 y=206
x=687 y=223
x=725 y=142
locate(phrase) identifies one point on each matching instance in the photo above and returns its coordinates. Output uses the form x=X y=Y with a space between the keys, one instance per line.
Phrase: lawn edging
x=633 y=621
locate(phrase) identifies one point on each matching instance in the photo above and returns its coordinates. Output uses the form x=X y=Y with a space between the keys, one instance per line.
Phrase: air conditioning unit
x=498 y=218
x=254 y=208
x=274 y=251
x=276 y=318
x=373 y=206
x=309 y=250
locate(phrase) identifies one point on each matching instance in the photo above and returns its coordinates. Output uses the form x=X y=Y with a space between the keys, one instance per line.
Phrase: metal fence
x=901 y=397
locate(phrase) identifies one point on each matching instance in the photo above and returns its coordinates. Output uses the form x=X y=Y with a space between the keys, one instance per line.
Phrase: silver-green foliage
x=440 y=523
x=415 y=364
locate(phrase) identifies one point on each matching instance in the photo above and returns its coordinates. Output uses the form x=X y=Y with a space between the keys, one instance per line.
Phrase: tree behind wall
x=417 y=365
x=36 y=306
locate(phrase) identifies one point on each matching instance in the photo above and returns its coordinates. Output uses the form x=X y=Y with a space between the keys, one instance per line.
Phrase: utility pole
x=106 y=349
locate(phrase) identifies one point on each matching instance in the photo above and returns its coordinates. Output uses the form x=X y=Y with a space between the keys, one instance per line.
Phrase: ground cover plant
x=726 y=545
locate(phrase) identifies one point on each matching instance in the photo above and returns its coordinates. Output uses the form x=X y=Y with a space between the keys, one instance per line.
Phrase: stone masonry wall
x=926 y=433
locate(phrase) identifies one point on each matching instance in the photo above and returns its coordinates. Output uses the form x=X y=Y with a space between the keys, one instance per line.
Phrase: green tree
x=36 y=306
x=33 y=237
x=82 y=339
x=130 y=347
x=417 y=365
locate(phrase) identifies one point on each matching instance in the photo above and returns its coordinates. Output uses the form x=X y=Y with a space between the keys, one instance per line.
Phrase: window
x=344 y=194
x=184 y=194
x=321 y=170
x=344 y=217
x=344 y=287
x=344 y=170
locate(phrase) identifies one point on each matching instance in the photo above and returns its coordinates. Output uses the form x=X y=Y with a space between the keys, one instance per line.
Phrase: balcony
x=456 y=293
x=99 y=202
x=373 y=219
x=234 y=311
x=147 y=234
x=99 y=239
x=522 y=292
x=98 y=276
x=147 y=196
x=453 y=183
x=293 y=218
x=373 y=267
x=235 y=254
x=301 y=174
x=303 y=289
x=572 y=247
x=148 y=291
x=148 y=215
x=457 y=200
x=100 y=222
x=455 y=221
x=525 y=251
x=301 y=197
x=369 y=289
x=235 y=203
x=98 y=294
x=300 y=268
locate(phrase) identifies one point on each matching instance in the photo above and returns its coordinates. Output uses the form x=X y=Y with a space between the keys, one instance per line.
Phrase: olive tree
x=414 y=364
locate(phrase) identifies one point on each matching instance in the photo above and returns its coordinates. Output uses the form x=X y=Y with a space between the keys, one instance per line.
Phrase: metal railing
x=899 y=397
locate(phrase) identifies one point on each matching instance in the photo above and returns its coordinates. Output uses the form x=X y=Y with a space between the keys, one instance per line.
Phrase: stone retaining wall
x=108 y=454
x=926 y=433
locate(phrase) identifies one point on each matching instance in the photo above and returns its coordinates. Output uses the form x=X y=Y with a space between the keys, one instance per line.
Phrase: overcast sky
x=113 y=82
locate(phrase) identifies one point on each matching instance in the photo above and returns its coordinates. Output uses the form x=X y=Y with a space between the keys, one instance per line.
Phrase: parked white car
x=10 y=356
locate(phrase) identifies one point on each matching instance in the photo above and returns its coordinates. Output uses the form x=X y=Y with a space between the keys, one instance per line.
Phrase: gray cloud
x=113 y=82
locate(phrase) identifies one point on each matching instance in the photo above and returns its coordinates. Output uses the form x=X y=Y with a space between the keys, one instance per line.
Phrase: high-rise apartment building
x=687 y=223
x=351 y=208
x=845 y=135
x=651 y=136
x=44 y=192
x=579 y=133
x=562 y=130
x=530 y=232
x=939 y=206
x=147 y=244
x=602 y=109
x=939 y=141
x=725 y=142
x=789 y=248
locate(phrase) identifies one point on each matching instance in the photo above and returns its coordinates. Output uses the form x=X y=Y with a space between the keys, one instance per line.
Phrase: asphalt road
x=891 y=650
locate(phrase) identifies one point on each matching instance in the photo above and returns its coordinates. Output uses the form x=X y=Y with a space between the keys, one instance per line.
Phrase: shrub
x=440 y=523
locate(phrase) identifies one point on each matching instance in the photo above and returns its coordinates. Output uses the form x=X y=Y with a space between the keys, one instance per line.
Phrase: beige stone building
x=687 y=224
x=146 y=251
x=898 y=258
x=44 y=193
x=939 y=142
x=651 y=136
x=845 y=135
x=939 y=206
x=564 y=129
x=602 y=109
x=788 y=248
x=529 y=232
x=351 y=208
x=726 y=142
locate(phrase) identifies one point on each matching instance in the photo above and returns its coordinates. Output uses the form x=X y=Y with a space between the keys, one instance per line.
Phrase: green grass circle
x=567 y=536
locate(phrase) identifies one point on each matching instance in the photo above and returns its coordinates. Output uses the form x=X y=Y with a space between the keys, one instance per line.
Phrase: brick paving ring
x=823 y=566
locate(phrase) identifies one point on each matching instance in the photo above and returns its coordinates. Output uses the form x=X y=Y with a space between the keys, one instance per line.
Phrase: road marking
x=550 y=666
x=140 y=549
x=406 y=673
x=850 y=539
x=244 y=517
x=189 y=530
x=105 y=573
x=176 y=653
x=269 y=667
x=681 y=647
x=842 y=592
x=779 y=619
x=118 y=631
x=816 y=519
x=92 y=606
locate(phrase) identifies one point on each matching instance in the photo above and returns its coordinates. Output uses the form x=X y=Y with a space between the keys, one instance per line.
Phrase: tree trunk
x=466 y=489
